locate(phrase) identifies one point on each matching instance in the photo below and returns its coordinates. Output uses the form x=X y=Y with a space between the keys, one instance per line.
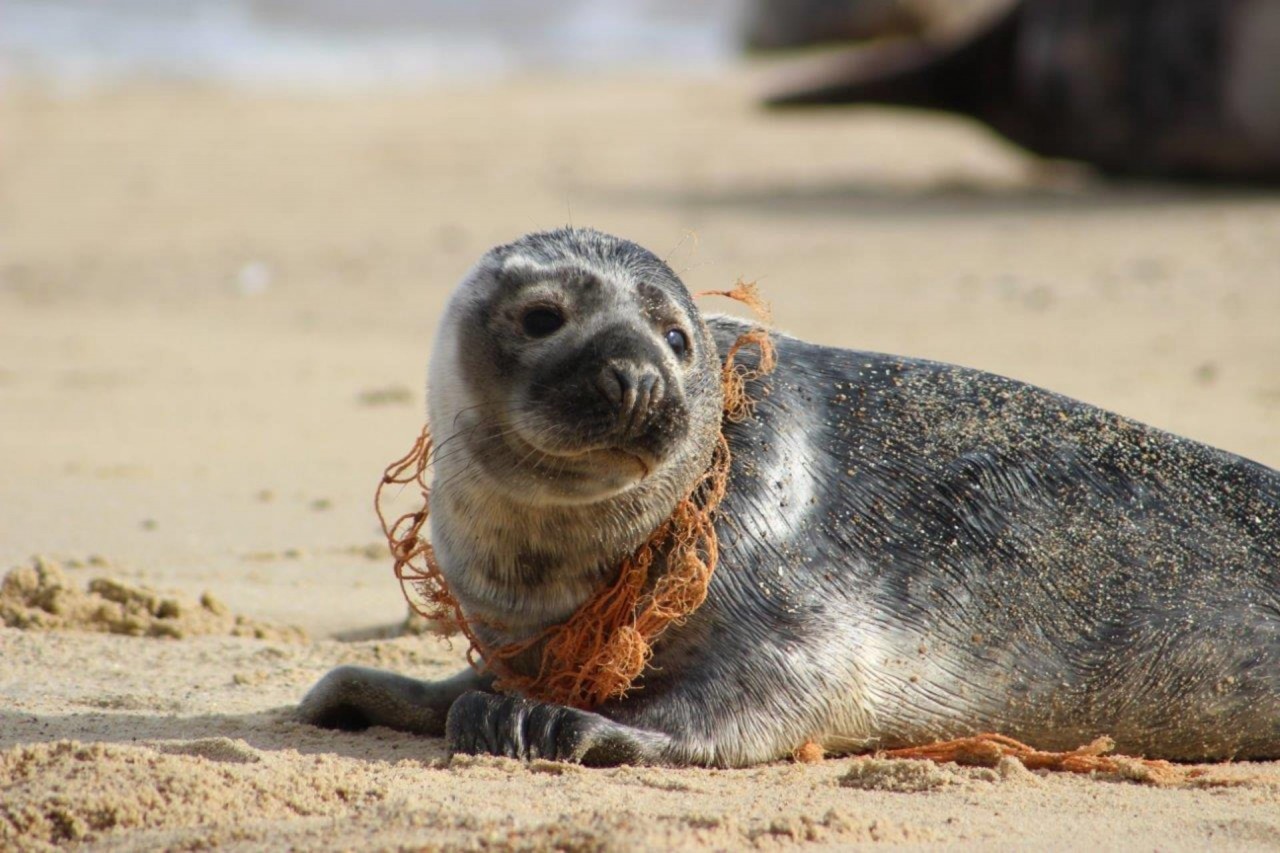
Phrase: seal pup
x=1181 y=88
x=909 y=551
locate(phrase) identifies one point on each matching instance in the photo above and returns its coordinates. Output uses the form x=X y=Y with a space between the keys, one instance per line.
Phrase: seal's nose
x=631 y=390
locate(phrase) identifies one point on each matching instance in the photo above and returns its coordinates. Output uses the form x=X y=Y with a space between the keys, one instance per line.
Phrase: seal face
x=574 y=390
x=909 y=551
x=566 y=374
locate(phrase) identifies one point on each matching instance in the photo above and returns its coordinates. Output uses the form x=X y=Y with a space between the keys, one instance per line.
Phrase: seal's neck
x=518 y=568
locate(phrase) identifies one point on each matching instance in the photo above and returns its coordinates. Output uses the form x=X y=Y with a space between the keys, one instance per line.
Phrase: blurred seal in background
x=1180 y=88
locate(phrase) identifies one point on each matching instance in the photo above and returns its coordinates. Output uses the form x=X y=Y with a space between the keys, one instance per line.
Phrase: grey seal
x=1181 y=88
x=909 y=551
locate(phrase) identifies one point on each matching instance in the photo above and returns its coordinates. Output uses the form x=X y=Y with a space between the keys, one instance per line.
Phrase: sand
x=215 y=310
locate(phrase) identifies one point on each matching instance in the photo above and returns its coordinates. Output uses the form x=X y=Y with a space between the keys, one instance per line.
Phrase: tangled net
x=600 y=650
x=986 y=750
x=1096 y=757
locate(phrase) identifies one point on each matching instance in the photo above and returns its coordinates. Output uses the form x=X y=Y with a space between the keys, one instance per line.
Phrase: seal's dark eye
x=678 y=342
x=540 y=322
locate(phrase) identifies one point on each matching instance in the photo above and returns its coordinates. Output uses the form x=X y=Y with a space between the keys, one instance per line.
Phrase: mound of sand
x=54 y=792
x=913 y=776
x=39 y=597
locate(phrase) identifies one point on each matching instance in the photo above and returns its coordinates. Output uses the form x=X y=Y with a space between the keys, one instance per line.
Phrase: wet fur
x=913 y=551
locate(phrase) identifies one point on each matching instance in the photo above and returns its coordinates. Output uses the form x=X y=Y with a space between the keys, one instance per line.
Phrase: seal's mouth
x=592 y=469
x=605 y=459
x=618 y=455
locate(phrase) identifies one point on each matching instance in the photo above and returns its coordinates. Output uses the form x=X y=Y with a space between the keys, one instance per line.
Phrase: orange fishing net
x=986 y=750
x=738 y=405
x=597 y=653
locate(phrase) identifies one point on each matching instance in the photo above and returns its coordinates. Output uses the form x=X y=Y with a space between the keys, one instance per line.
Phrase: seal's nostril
x=613 y=385
x=648 y=387
x=657 y=390
x=631 y=390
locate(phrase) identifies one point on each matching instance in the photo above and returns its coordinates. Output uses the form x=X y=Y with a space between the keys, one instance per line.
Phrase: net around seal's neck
x=604 y=646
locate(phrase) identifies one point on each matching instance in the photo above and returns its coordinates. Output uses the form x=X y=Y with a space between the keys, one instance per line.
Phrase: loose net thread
x=598 y=653
x=738 y=405
x=987 y=750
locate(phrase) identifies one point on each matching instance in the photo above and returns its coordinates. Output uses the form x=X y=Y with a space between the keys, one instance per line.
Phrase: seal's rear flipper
x=964 y=77
x=773 y=25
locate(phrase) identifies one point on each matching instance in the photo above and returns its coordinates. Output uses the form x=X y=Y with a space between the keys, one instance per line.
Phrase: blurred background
x=227 y=229
x=342 y=45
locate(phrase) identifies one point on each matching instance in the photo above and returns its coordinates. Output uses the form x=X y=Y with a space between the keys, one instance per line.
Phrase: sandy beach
x=215 y=313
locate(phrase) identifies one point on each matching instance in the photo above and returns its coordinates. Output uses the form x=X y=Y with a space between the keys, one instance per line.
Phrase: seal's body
x=1181 y=88
x=909 y=550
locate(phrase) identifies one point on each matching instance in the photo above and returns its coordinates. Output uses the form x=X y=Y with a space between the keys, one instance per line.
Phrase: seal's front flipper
x=485 y=723
x=353 y=698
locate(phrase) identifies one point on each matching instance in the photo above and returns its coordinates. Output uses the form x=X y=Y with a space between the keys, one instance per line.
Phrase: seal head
x=575 y=395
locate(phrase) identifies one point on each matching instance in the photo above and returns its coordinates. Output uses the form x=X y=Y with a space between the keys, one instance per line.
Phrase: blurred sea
x=353 y=43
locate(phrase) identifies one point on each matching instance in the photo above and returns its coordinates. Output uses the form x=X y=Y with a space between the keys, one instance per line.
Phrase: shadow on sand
x=272 y=730
x=857 y=199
